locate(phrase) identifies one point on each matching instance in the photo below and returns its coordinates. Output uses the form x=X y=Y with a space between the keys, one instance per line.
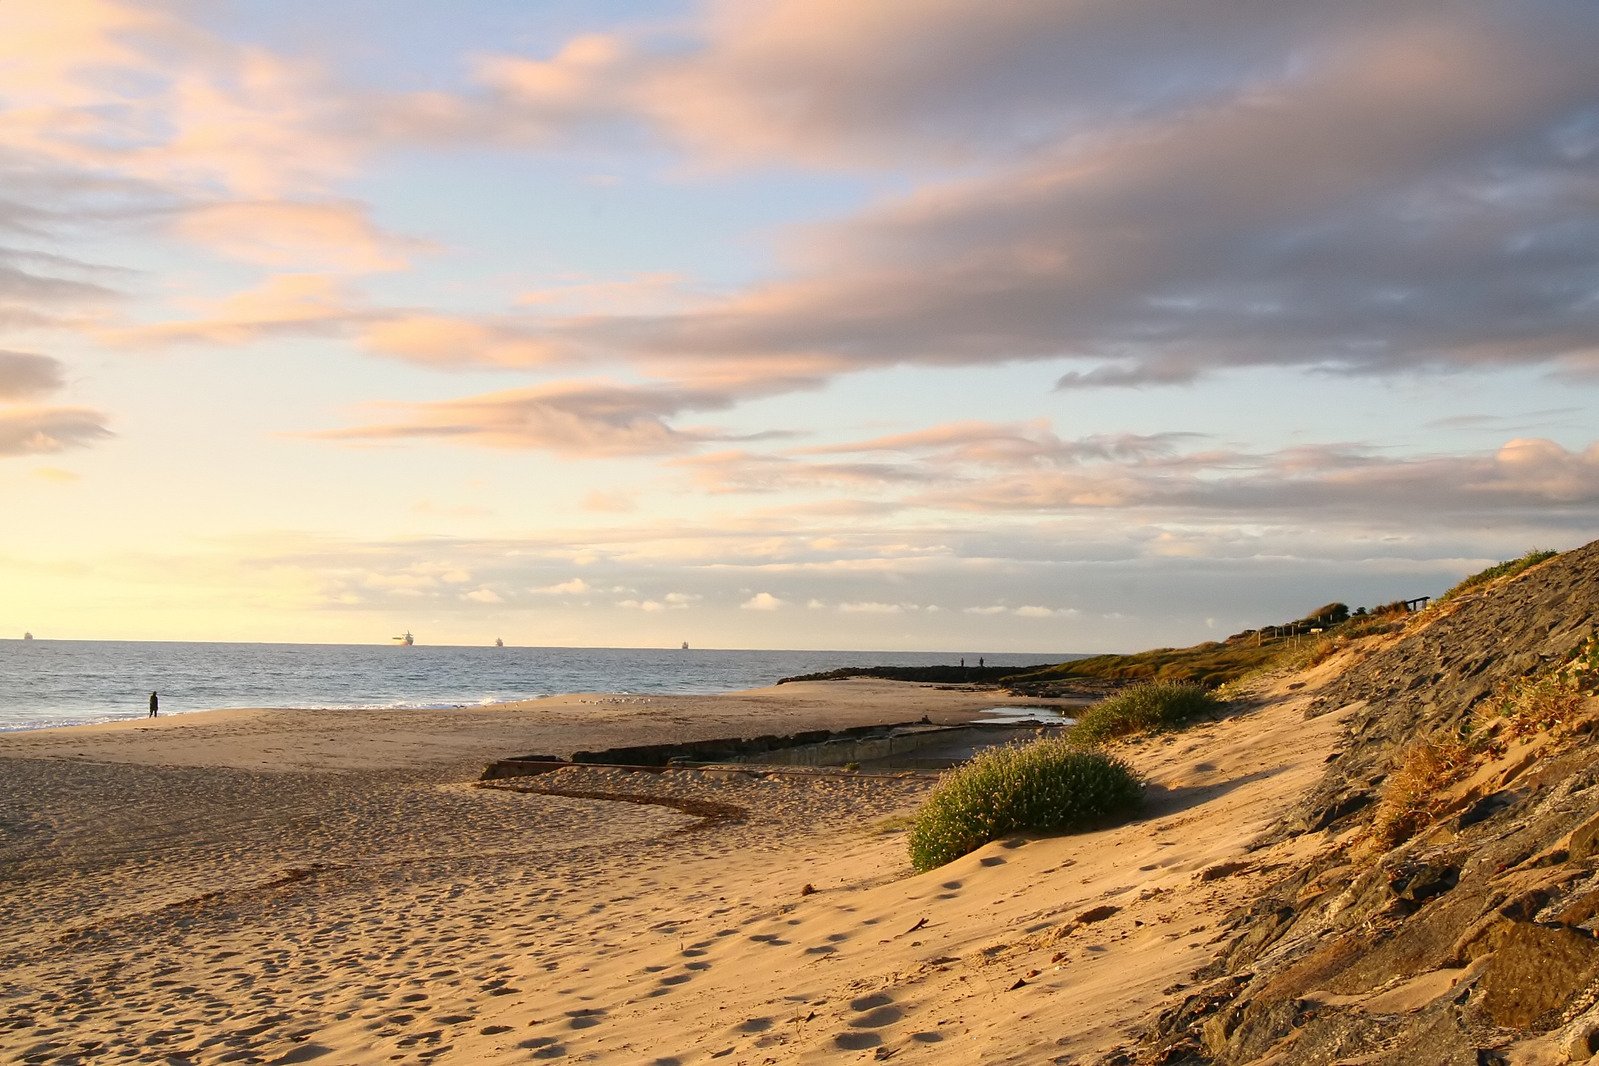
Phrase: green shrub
x=1147 y=708
x=1048 y=786
x=1505 y=569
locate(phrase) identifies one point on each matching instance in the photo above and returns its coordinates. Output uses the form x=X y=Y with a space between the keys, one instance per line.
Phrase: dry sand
x=297 y=886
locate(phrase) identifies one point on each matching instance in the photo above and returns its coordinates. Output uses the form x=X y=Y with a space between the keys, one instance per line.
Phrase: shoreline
x=300 y=738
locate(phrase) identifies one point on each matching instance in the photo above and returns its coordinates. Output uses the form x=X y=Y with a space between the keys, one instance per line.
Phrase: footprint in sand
x=865 y=1003
x=876 y=1019
x=585 y=1018
x=991 y=860
x=856 y=1041
x=544 y=1047
x=755 y=1025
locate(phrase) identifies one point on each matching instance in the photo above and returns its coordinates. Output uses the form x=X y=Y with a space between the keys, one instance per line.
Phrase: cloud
x=45 y=430
x=763 y=601
x=650 y=293
x=575 y=587
x=459 y=341
x=305 y=236
x=484 y=595
x=24 y=375
x=1030 y=611
x=996 y=444
x=739 y=471
x=283 y=305
x=835 y=83
x=99 y=86
x=1524 y=476
x=587 y=418
x=1215 y=196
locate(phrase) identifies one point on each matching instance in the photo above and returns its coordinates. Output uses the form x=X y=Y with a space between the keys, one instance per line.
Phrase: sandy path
x=184 y=904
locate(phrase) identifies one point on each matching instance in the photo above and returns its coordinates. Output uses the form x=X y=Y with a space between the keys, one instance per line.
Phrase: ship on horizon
x=406 y=639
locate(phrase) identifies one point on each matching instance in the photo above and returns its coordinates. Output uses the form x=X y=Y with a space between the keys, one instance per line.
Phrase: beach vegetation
x=1149 y=707
x=1533 y=706
x=1509 y=568
x=1047 y=786
x=1415 y=792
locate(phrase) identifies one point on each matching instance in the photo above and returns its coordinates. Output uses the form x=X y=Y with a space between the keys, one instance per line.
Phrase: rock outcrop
x=1475 y=941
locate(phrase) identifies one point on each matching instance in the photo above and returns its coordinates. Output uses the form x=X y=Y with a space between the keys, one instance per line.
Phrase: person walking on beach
x=155 y=705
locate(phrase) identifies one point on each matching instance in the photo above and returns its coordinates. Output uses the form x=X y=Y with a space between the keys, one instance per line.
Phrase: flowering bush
x=1049 y=786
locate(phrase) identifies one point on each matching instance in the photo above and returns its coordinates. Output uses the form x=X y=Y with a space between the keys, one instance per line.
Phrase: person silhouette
x=155 y=705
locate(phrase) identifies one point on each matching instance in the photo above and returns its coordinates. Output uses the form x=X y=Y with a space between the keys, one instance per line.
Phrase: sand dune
x=297 y=886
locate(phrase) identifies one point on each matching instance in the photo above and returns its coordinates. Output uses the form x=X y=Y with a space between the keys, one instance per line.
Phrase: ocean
x=69 y=682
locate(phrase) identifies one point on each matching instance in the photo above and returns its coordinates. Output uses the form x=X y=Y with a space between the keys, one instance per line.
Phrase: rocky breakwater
x=1450 y=912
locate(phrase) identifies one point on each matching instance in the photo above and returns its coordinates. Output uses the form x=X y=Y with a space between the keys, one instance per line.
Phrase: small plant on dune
x=1152 y=707
x=1372 y=625
x=1583 y=669
x=1530 y=706
x=1414 y=793
x=1048 y=786
x=1312 y=653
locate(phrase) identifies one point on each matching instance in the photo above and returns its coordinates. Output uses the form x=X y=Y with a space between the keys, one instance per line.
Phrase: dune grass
x=1414 y=791
x=1151 y=707
x=1047 y=786
x=1509 y=568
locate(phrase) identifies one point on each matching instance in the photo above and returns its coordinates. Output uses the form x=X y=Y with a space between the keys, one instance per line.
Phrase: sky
x=939 y=325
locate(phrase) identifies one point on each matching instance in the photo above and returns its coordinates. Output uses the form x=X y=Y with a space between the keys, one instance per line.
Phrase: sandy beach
x=297 y=886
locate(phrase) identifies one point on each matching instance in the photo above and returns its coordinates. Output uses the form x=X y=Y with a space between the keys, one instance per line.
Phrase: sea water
x=68 y=682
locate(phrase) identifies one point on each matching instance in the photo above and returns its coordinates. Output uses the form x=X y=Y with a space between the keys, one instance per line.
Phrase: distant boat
x=498 y=642
x=27 y=636
x=685 y=645
x=406 y=639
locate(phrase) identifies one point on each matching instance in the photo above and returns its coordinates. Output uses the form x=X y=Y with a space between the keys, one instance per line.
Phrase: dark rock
x=1421 y=883
x=1584 y=842
x=1485 y=808
x=1534 y=972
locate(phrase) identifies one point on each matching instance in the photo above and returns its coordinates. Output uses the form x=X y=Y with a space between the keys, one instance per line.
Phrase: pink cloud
x=332 y=235
x=283 y=304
